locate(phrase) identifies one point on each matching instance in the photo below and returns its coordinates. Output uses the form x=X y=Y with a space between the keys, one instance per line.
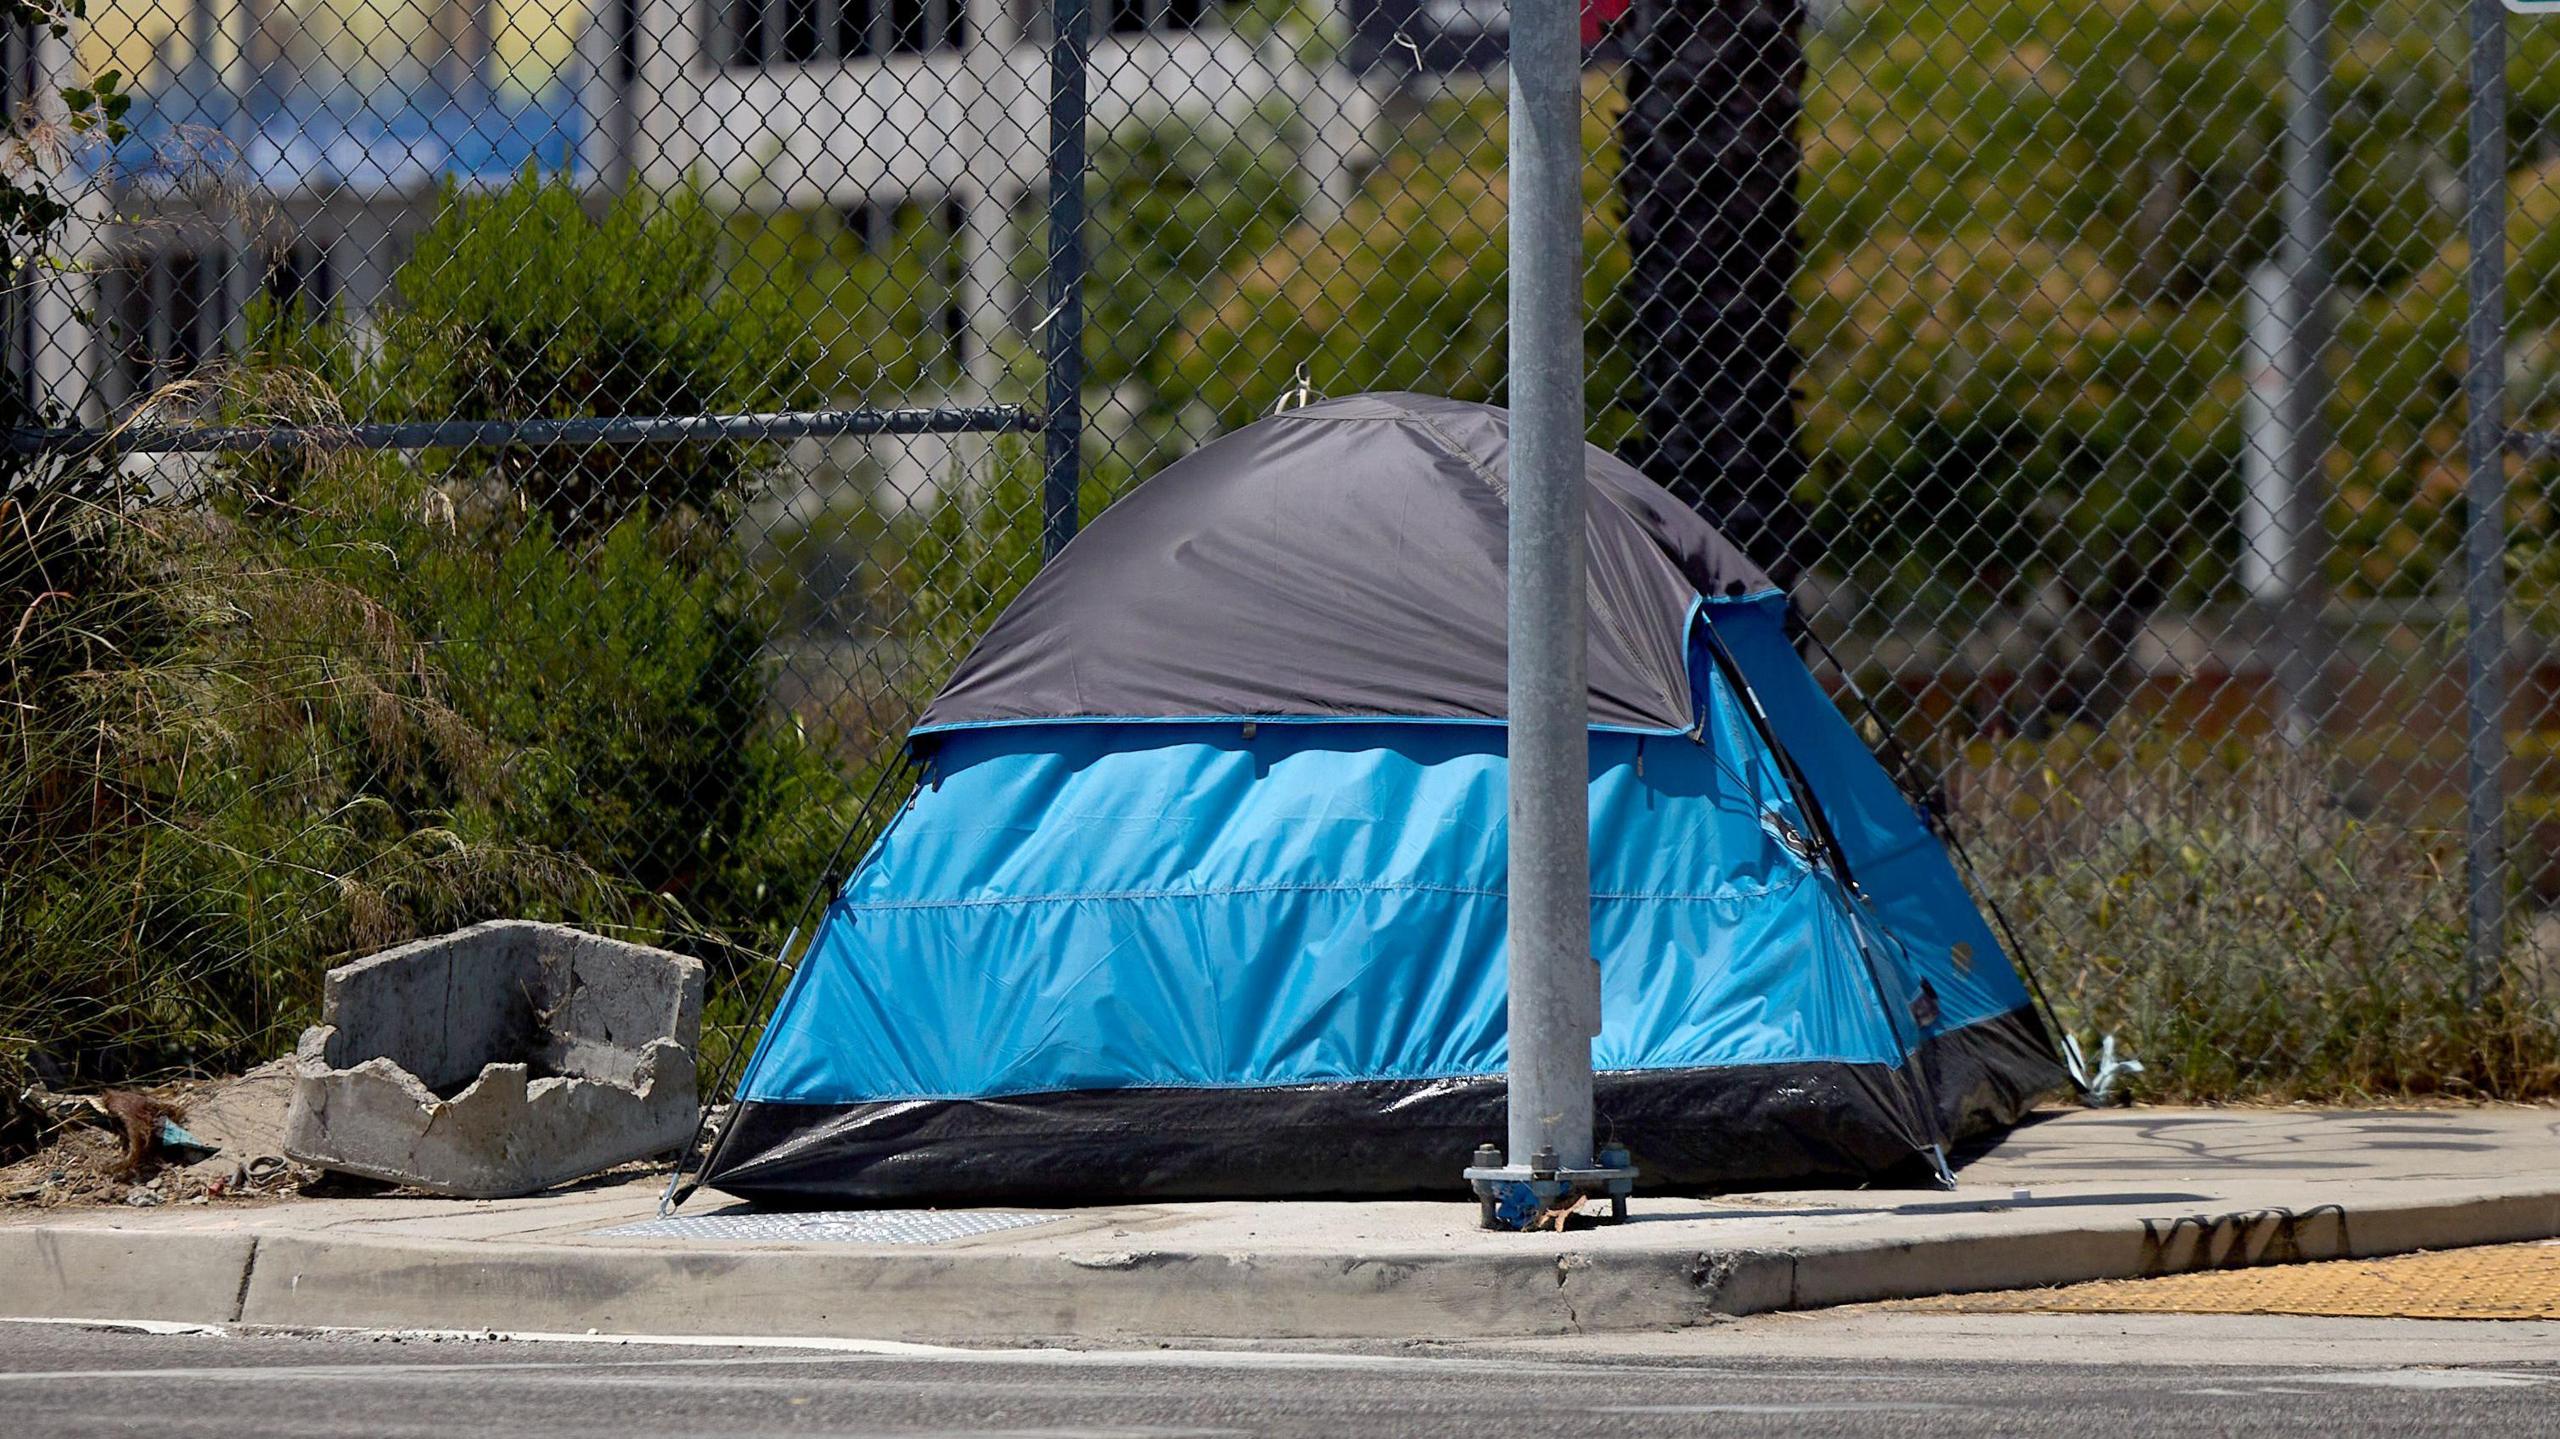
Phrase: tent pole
x=1555 y=985
x=1929 y=802
x=1853 y=896
x=902 y=765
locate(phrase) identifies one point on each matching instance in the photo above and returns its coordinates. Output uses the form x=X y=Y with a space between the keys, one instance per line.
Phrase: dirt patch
x=241 y=1119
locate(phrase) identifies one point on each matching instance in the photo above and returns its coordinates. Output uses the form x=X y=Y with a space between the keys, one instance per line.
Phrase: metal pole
x=2277 y=459
x=1555 y=987
x=2263 y=538
x=1071 y=25
x=2288 y=339
x=490 y=434
x=2484 y=529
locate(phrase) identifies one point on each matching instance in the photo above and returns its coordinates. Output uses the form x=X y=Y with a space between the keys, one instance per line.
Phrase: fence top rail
x=490 y=434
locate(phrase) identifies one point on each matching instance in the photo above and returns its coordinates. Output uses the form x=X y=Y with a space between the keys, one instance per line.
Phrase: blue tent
x=1202 y=890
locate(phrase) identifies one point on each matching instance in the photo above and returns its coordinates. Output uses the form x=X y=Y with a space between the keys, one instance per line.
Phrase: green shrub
x=1170 y=206
x=874 y=319
x=960 y=562
x=629 y=693
x=615 y=641
x=241 y=807
x=1405 y=290
x=349 y=699
x=522 y=304
x=2026 y=230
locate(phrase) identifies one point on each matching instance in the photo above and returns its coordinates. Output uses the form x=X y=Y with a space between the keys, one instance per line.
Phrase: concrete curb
x=1550 y=1285
x=187 y=1276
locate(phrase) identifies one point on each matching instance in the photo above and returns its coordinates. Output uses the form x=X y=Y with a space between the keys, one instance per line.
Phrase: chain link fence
x=536 y=456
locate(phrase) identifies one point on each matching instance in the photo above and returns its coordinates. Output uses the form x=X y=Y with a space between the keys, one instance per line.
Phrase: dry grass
x=2247 y=934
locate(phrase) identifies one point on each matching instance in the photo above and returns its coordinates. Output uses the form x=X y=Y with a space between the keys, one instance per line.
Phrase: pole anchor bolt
x=1545 y=1192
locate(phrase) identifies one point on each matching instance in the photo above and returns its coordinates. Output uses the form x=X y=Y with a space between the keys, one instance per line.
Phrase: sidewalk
x=2106 y=1194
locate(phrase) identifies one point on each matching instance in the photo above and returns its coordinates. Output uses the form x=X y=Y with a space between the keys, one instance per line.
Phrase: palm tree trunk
x=1715 y=93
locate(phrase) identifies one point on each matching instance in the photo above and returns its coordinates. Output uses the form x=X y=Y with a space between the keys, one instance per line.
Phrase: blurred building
x=296 y=147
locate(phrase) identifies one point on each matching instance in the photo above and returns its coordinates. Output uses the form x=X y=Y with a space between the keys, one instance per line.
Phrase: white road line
x=815 y=1351
x=671 y=1341
x=878 y=1348
x=137 y=1326
x=732 y=1364
x=1811 y=1406
x=2428 y=1379
x=811 y=1351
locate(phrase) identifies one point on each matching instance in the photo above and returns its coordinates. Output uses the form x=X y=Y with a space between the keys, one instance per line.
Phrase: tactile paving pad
x=840 y=1226
x=2510 y=1281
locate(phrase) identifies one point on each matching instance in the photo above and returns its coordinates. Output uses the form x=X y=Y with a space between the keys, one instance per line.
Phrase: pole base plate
x=1523 y=1197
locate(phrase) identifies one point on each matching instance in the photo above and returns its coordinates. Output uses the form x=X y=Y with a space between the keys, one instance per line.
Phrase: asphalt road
x=71 y=1380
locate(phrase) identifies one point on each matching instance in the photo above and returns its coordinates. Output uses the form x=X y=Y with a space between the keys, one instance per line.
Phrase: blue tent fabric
x=1181 y=957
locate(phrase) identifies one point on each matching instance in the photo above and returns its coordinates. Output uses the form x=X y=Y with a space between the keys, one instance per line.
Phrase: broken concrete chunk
x=498 y=1060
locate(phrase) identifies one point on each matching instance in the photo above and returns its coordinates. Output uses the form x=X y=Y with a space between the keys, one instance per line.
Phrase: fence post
x=2283 y=528
x=1062 y=336
x=2278 y=463
x=1555 y=987
x=2484 y=529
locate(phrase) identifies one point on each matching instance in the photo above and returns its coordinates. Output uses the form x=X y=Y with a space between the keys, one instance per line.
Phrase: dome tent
x=1202 y=891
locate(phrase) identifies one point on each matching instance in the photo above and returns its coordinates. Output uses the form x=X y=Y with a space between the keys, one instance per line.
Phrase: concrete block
x=498 y=1060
